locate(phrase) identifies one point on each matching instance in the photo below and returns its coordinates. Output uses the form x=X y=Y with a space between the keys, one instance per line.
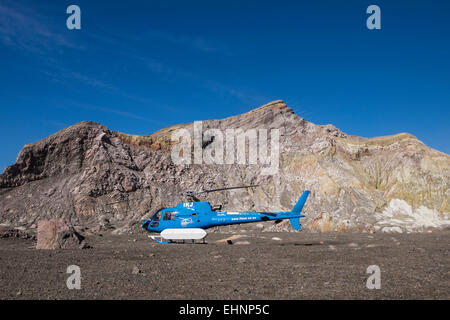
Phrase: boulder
x=57 y=234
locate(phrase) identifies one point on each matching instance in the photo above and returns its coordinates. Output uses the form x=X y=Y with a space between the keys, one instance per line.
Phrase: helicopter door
x=168 y=217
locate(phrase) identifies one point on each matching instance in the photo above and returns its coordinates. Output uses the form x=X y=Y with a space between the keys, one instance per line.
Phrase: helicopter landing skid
x=155 y=238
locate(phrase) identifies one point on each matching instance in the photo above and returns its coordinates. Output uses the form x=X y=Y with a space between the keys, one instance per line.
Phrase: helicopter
x=188 y=220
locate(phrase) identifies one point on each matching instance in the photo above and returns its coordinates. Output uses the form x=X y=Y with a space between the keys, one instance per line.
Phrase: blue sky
x=139 y=66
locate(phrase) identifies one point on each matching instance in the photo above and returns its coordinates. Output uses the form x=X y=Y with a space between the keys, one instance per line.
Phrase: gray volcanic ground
x=299 y=266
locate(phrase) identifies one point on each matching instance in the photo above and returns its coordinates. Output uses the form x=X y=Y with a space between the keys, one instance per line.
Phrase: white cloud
x=23 y=30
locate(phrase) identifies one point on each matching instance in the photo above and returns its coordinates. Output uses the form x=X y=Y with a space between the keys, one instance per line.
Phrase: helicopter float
x=188 y=220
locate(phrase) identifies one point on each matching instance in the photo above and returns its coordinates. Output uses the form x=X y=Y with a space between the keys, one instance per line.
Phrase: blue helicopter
x=188 y=220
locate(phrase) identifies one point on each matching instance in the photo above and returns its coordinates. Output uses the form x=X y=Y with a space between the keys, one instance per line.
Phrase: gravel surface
x=256 y=266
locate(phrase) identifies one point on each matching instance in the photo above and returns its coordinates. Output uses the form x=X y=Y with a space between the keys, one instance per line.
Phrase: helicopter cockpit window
x=157 y=215
x=169 y=215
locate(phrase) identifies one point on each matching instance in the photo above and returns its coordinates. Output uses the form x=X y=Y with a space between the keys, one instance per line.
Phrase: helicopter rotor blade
x=228 y=188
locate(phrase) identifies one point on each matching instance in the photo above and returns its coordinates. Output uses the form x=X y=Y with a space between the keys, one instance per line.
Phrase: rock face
x=56 y=234
x=95 y=177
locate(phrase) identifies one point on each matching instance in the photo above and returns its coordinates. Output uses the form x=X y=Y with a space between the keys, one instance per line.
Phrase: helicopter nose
x=145 y=224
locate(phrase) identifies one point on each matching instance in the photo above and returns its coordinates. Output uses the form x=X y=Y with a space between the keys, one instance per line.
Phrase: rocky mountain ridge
x=108 y=180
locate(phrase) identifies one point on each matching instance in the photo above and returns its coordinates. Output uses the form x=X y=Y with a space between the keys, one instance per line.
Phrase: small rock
x=353 y=245
x=136 y=270
x=217 y=257
x=276 y=239
x=85 y=245
x=242 y=260
x=242 y=243
x=230 y=239
x=332 y=248
x=394 y=229
x=50 y=192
